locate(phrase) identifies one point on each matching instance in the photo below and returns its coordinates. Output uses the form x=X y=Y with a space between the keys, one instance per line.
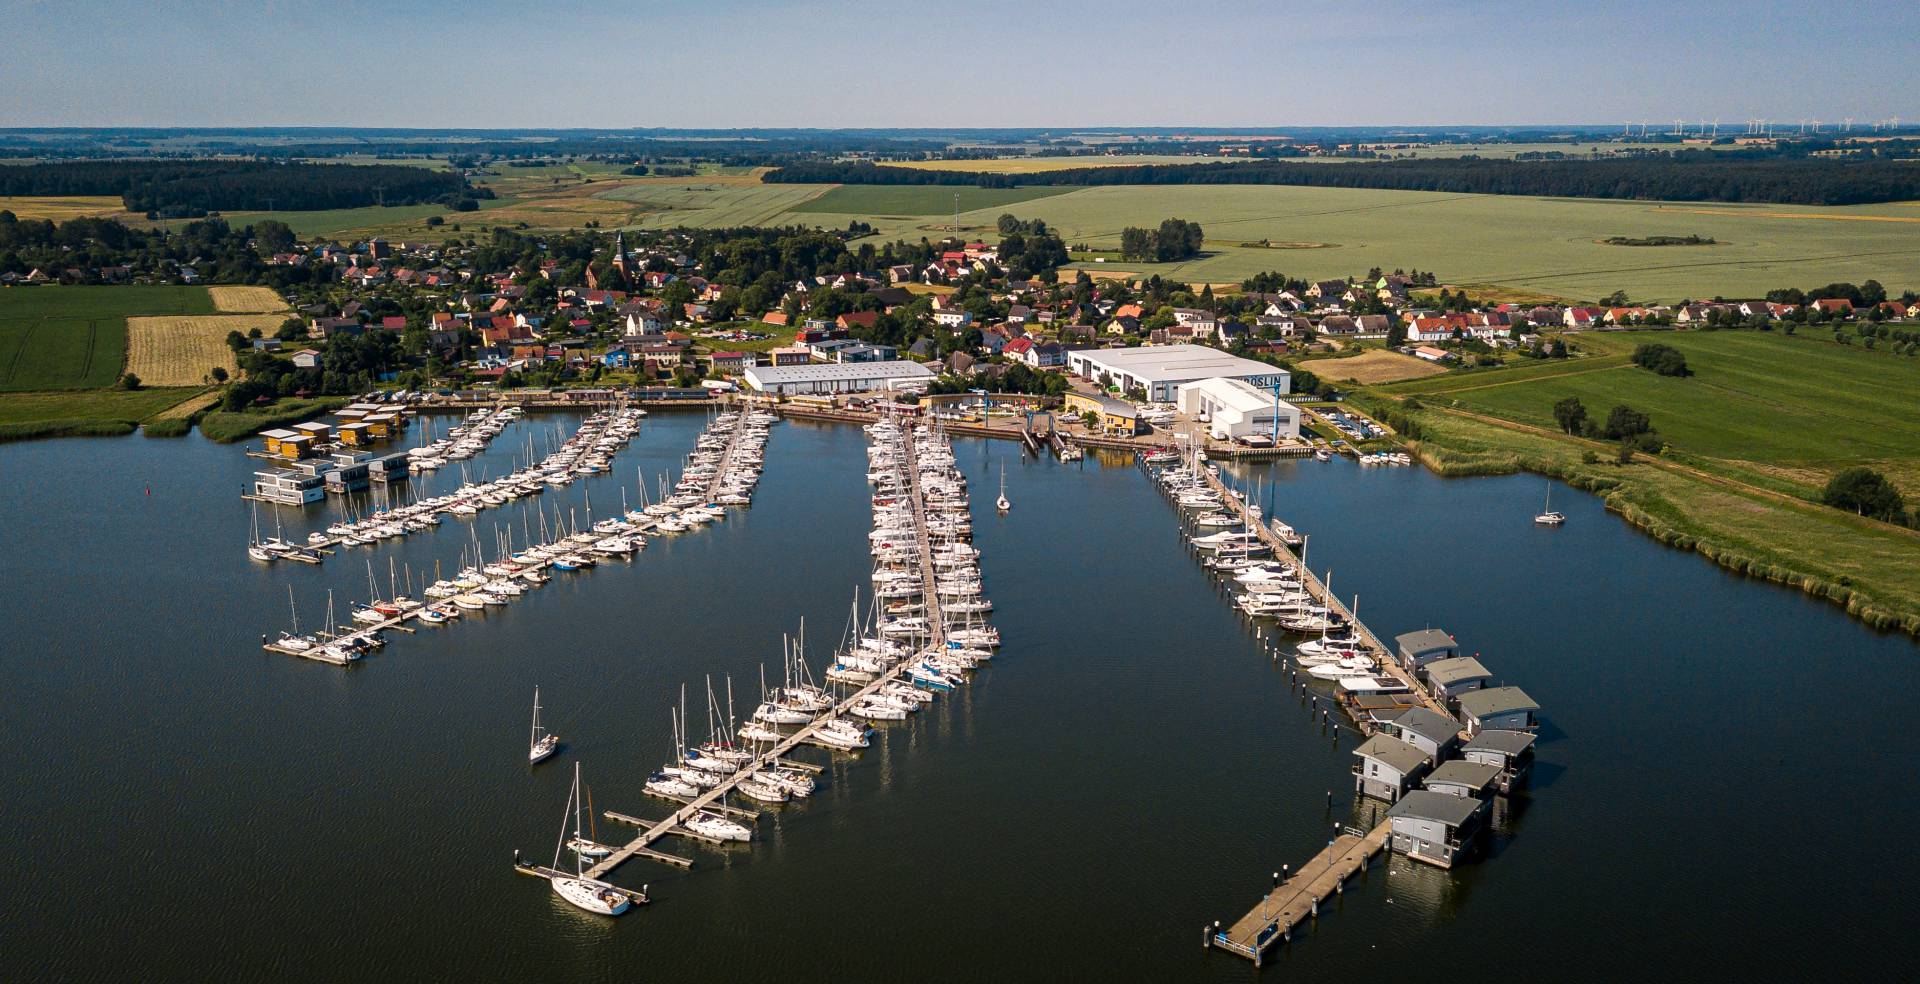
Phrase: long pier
x=325 y=547
x=1317 y=589
x=651 y=831
x=641 y=527
x=1298 y=898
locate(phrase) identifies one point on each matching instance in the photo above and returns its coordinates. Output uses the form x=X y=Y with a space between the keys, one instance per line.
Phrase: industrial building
x=1234 y=409
x=1159 y=370
x=841 y=377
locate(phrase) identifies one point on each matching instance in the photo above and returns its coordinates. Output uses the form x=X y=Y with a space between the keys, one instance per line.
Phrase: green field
x=711 y=204
x=919 y=200
x=67 y=338
x=1792 y=404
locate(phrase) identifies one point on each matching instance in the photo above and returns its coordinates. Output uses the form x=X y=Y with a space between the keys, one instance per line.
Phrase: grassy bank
x=82 y=413
x=1863 y=565
x=227 y=428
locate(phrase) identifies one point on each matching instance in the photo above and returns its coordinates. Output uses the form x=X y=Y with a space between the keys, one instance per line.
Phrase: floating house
x=1510 y=751
x=1434 y=827
x=1449 y=678
x=1503 y=708
x=1417 y=649
x=293 y=487
x=1434 y=734
x=1475 y=780
x=1387 y=767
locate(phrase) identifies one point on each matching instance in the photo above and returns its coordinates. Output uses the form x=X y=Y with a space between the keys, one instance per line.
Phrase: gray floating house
x=1510 y=751
x=1387 y=767
x=1475 y=780
x=1417 y=649
x=1434 y=827
x=1432 y=733
x=1503 y=708
x=1449 y=678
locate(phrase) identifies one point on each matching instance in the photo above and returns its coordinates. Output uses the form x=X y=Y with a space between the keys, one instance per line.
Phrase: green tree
x=129 y=382
x=219 y=374
x=1866 y=492
x=1625 y=423
x=1571 y=414
x=1662 y=359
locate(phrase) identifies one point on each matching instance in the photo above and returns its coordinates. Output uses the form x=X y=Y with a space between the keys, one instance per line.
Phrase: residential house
x=1470 y=780
x=1834 y=307
x=729 y=363
x=1418 y=648
x=1453 y=676
x=952 y=318
x=857 y=320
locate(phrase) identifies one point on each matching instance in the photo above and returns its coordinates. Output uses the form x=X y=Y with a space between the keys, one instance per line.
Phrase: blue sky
x=727 y=63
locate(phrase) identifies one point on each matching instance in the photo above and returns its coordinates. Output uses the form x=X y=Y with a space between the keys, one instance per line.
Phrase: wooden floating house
x=357 y=434
x=1417 y=649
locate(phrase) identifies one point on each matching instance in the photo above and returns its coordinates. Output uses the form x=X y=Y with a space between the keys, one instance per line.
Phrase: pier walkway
x=1389 y=661
x=1298 y=897
x=643 y=843
x=641 y=527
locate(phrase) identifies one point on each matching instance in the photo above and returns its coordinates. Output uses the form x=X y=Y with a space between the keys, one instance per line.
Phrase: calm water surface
x=1722 y=781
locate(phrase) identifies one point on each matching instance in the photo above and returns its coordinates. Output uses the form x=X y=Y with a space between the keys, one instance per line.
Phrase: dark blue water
x=1718 y=794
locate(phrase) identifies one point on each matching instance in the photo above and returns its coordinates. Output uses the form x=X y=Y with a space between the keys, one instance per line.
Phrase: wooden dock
x=1298 y=898
x=401 y=621
x=1388 y=660
x=652 y=831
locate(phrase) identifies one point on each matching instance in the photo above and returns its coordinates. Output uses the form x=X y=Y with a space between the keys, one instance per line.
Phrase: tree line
x=1719 y=176
x=189 y=188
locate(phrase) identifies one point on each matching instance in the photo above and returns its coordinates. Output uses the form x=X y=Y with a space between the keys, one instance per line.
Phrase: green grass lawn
x=1763 y=397
x=919 y=200
x=63 y=337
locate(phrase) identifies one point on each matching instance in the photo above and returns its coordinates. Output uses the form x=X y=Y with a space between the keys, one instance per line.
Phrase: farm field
x=712 y=202
x=1035 y=165
x=180 y=350
x=1790 y=410
x=25 y=415
x=246 y=300
x=70 y=338
x=919 y=200
x=1374 y=367
x=61 y=208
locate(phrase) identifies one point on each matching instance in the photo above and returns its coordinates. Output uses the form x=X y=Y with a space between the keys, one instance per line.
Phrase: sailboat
x=1001 y=503
x=543 y=742
x=590 y=894
x=1547 y=516
x=254 y=549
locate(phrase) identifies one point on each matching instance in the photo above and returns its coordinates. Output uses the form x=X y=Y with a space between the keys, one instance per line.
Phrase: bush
x=129 y=382
x=168 y=427
x=1663 y=359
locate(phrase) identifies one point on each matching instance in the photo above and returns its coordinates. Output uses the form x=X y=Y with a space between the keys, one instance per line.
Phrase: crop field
x=919 y=200
x=713 y=202
x=1797 y=407
x=1035 y=165
x=246 y=300
x=180 y=350
x=65 y=338
x=1374 y=367
x=61 y=208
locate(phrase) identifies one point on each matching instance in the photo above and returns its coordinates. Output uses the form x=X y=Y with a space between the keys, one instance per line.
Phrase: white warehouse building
x=838 y=377
x=1235 y=408
x=1159 y=370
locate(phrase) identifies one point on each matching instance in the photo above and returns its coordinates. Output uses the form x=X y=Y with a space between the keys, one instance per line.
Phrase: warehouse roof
x=1177 y=363
x=1237 y=395
x=896 y=369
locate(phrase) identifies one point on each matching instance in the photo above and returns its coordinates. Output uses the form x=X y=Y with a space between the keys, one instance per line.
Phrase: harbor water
x=1720 y=794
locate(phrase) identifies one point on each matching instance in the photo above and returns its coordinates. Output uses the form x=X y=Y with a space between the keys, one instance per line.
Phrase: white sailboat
x=1547 y=515
x=1001 y=503
x=590 y=894
x=543 y=743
